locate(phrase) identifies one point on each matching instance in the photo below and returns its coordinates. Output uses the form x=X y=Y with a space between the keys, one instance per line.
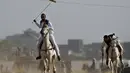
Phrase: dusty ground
x=76 y=66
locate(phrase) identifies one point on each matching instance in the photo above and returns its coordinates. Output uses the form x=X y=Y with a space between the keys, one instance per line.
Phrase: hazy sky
x=70 y=21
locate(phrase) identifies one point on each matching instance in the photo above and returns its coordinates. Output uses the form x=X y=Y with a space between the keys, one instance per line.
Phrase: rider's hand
x=34 y=20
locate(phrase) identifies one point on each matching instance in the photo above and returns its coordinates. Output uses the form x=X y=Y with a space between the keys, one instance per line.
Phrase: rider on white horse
x=106 y=43
x=41 y=39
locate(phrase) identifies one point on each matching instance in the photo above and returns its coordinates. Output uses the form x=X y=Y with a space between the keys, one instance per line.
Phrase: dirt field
x=76 y=66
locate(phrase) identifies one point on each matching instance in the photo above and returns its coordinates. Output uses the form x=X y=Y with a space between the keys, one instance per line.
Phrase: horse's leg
x=109 y=63
x=46 y=61
x=116 y=67
x=119 y=68
x=45 y=66
x=53 y=63
x=111 y=67
x=49 y=63
x=113 y=70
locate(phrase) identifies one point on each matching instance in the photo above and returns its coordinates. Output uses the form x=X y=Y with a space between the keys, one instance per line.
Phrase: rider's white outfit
x=104 y=45
x=51 y=32
x=107 y=52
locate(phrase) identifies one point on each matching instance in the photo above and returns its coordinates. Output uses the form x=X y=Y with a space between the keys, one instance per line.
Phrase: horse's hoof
x=48 y=70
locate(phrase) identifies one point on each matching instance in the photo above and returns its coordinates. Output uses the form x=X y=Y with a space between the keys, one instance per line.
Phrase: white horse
x=113 y=57
x=47 y=52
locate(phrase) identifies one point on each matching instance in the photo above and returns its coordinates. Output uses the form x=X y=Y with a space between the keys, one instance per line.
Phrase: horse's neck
x=45 y=29
x=46 y=42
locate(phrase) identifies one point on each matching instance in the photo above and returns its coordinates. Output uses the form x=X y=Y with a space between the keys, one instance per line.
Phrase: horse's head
x=46 y=42
x=113 y=43
x=45 y=31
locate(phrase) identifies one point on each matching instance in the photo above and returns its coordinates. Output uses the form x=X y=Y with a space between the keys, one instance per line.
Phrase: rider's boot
x=38 y=57
x=58 y=57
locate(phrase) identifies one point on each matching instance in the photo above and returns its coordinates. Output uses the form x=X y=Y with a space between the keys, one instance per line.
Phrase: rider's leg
x=107 y=53
x=121 y=51
x=121 y=60
x=52 y=39
x=39 y=44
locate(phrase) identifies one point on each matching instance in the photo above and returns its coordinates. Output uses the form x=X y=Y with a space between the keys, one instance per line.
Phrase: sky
x=70 y=21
